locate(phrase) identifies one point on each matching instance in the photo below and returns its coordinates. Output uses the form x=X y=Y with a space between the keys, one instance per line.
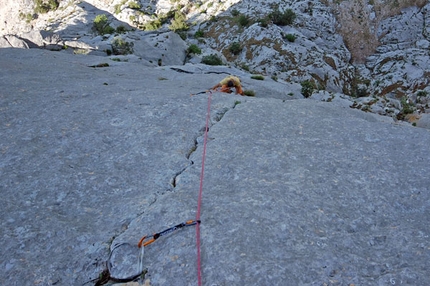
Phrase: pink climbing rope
x=199 y=201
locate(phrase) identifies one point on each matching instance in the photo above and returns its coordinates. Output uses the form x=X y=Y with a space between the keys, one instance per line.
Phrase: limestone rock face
x=401 y=64
x=354 y=48
x=13 y=16
x=161 y=49
x=296 y=192
x=12 y=41
x=314 y=52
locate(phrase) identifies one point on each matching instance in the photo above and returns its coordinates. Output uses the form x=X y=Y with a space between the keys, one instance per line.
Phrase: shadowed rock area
x=296 y=192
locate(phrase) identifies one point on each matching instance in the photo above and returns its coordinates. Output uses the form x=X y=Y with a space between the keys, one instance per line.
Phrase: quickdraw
x=114 y=271
x=155 y=236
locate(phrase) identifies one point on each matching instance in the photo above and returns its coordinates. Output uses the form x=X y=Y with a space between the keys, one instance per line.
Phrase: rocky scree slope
x=372 y=53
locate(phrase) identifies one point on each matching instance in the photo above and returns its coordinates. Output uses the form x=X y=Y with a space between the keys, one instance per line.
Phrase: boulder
x=159 y=48
x=12 y=41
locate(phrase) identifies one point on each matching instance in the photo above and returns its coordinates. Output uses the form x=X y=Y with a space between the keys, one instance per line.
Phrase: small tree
x=134 y=5
x=307 y=88
x=235 y=48
x=194 y=49
x=45 y=6
x=212 y=60
x=121 y=47
x=179 y=22
x=235 y=13
x=152 y=26
x=101 y=25
x=264 y=22
x=283 y=18
x=199 y=34
x=290 y=37
x=243 y=20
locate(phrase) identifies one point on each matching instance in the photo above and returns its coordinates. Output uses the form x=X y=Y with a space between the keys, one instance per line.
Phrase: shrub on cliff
x=121 y=47
x=212 y=60
x=307 y=88
x=101 y=25
x=282 y=18
x=194 y=49
x=179 y=22
x=42 y=6
x=235 y=48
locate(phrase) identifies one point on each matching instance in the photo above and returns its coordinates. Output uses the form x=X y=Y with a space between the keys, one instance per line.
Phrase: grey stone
x=12 y=41
x=165 y=48
x=296 y=192
x=424 y=121
x=399 y=66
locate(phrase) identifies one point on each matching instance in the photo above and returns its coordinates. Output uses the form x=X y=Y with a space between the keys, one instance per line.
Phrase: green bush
x=249 y=92
x=134 y=5
x=245 y=67
x=179 y=22
x=101 y=25
x=407 y=107
x=42 y=6
x=307 y=88
x=212 y=60
x=121 y=29
x=243 y=20
x=152 y=26
x=235 y=13
x=121 y=47
x=235 y=48
x=283 y=18
x=199 y=34
x=27 y=17
x=257 y=77
x=194 y=49
x=422 y=93
x=290 y=37
x=264 y=22
x=117 y=9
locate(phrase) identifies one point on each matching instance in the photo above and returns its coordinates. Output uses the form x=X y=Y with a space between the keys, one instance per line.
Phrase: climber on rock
x=229 y=82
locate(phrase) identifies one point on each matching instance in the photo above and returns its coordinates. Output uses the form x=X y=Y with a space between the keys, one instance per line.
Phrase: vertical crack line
x=219 y=114
x=173 y=181
x=192 y=150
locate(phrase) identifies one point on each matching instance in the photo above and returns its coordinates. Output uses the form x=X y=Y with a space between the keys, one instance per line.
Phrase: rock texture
x=101 y=141
x=296 y=192
x=361 y=49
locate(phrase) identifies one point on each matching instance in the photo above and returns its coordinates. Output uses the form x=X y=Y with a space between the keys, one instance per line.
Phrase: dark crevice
x=181 y=70
x=190 y=72
x=124 y=225
x=220 y=114
x=192 y=149
x=173 y=180
x=217 y=117
x=210 y=72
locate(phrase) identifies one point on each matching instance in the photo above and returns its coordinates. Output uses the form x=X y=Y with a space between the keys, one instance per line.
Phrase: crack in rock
x=181 y=70
x=173 y=180
x=218 y=115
